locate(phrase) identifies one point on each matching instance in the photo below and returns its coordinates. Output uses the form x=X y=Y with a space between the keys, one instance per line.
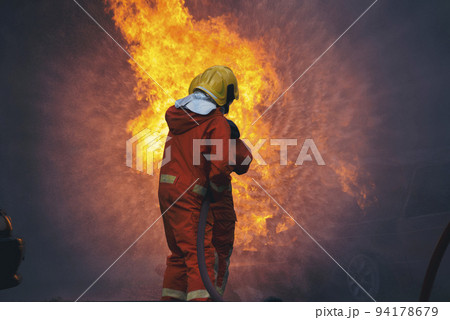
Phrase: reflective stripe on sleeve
x=199 y=190
x=197 y=294
x=177 y=294
x=167 y=178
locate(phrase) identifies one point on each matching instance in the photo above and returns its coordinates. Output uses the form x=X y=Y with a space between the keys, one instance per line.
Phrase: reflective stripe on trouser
x=180 y=226
x=223 y=239
x=222 y=277
x=177 y=294
x=197 y=294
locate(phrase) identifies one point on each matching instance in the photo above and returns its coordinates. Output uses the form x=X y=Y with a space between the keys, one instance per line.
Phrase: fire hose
x=215 y=296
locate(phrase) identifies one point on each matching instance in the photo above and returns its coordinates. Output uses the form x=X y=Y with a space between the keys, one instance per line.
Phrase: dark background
x=61 y=76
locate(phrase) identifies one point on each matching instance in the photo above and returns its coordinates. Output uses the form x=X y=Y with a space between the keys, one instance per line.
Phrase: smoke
x=72 y=95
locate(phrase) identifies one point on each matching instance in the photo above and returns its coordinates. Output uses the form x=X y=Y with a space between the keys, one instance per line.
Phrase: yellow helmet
x=194 y=83
x=219 y=82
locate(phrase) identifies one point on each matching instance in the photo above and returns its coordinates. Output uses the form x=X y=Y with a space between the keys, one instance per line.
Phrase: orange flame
x=172 y=47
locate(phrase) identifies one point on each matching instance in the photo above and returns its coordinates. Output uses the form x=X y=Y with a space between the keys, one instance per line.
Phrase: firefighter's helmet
x=219 y=82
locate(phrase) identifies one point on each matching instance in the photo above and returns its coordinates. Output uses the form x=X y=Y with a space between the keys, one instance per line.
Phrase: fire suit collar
x=197 y=102
x=179 y=122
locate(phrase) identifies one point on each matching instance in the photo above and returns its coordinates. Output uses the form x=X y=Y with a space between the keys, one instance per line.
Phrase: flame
x=169 y=47
x=349 y=176
x=281 y=227
x=172 y=47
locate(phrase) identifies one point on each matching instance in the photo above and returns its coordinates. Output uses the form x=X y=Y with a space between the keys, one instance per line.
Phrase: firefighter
x=184 y=182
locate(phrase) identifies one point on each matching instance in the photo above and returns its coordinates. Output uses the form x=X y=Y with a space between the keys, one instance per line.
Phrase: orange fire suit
x=225 y=220
x=182 y=188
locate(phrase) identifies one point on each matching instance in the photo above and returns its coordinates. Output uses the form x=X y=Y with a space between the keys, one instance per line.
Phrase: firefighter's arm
x=243 y=157
x=220 y=168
